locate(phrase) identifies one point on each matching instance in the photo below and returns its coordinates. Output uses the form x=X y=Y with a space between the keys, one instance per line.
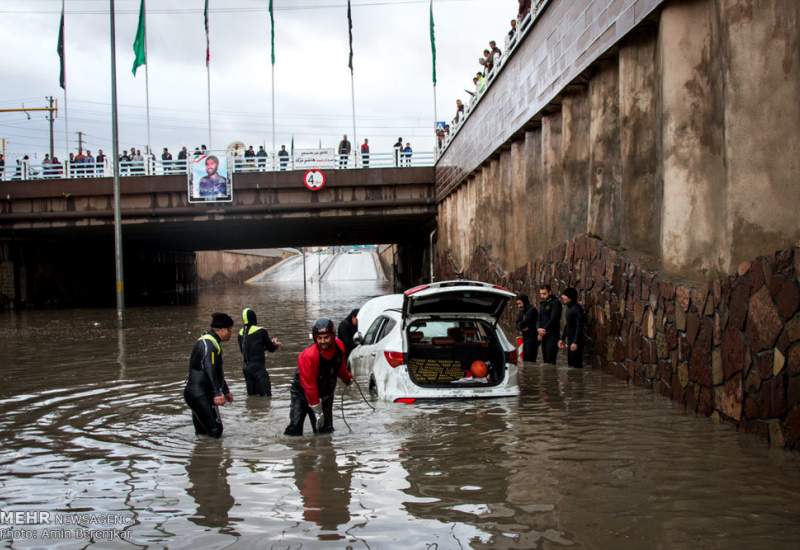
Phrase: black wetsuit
x=526 y=324
x=252 y=344
x=550 y=320
x=574 y=334
x=345 y=333
x=206 y=380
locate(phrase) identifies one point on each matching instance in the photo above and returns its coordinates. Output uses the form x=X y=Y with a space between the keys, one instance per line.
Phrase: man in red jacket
x=315 y=380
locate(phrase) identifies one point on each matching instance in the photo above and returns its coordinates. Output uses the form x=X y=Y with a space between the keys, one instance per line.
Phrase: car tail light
x=395 y=358
x=405 y=400
x=511 y=357
x=416 y=289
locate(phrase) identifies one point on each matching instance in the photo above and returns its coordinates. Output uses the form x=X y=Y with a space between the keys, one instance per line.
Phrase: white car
x=424 y=344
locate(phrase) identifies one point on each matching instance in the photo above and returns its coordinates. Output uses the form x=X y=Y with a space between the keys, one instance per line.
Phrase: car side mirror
x=358 y=339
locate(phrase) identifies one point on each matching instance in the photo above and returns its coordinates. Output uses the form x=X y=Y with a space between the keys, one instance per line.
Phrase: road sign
x=314 y=180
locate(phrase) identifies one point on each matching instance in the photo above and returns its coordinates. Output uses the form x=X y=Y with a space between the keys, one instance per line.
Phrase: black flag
x=350 y=32
x=62 y=78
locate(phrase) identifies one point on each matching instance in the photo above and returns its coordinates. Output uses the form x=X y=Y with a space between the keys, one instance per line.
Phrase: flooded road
x=93 y=421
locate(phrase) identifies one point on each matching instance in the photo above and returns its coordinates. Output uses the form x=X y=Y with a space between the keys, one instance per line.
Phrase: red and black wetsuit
x=315 y=382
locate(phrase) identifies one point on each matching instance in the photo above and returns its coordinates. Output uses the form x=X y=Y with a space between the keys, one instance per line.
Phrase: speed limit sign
x=314 y=180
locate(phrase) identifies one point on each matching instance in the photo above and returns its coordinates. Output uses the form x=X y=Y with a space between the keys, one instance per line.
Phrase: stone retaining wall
x=729 y=349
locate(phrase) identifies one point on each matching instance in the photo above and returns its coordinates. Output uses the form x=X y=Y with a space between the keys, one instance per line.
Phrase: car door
x=363 y=355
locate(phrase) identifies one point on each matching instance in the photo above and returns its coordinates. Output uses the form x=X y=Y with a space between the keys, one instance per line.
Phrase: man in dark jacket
x=314 y=382
x=573 y=337
x=253 y=342
x=526 y=323
x=348 y=329
x=344 y=152
x=206 y=388
x=549 y=324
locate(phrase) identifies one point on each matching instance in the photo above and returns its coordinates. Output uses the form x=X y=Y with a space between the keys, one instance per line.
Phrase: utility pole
x=120 y=276
x=51 y=119
x=51 y=110
x=80 y=142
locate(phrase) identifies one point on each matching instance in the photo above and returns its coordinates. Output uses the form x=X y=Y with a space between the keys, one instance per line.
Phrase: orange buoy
x=479 y=369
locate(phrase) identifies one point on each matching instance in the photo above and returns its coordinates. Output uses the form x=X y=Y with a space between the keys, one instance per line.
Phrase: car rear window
x=431 y=332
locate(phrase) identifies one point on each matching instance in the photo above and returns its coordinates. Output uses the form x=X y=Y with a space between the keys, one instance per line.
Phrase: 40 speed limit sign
x=314 y=180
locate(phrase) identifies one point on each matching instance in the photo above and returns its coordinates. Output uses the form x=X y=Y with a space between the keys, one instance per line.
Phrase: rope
x=362 y=397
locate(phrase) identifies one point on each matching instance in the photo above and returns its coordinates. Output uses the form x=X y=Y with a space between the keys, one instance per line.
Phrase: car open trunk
x=441 y=351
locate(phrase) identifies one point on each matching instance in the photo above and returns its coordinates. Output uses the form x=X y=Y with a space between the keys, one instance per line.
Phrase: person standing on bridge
x=407 y=152
x=573 y=337
x=314 y=382
x=253 y=342
x=398 y=151
x=365 y=153
x=206 y=388
x=283 y=156
x=549 y=324
x=344 y=152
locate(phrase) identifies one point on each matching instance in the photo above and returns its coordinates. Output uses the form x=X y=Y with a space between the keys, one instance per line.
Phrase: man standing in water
x=347 y=330
x=206 y=388
x=549 y=324
x=572 y=339
x=526 y=324
x=253 y=342
x=315 y=380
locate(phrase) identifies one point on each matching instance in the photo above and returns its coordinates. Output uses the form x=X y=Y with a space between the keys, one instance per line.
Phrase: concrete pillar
x=762 y=116
x=694 y=237
x=534 y=194
x=605 y=171
x=552 y=177
x=642 y=186
x=517 y=207
x=574 y=203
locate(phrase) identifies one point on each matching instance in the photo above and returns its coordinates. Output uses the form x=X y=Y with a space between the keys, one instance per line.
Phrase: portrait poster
x=209 y=178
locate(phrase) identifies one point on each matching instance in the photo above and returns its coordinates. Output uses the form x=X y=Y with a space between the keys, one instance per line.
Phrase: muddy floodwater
x=92 y=421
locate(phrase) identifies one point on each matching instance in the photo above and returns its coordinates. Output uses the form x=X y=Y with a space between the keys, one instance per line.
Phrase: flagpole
x=273 y=116
x=272 y=59
x=147 y=83
x=353 y=100
x=208 y=71
x=115 y=163
x=66 y=112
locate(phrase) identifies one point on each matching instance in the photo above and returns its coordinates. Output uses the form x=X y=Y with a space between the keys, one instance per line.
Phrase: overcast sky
x=392 y=70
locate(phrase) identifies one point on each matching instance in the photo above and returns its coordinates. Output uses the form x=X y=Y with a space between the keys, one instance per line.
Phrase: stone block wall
x=728 y=349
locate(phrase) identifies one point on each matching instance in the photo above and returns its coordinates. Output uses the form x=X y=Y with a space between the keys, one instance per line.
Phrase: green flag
x=139 y=49
x=272 y=30
x=433 y=44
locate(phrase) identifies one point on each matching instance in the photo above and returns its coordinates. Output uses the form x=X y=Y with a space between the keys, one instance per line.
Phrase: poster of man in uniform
x=210 y=180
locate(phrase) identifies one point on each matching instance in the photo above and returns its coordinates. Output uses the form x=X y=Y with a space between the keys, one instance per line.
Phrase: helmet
x=322 y=326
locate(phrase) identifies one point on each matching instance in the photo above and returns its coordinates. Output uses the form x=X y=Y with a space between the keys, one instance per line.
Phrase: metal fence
x=26 y=170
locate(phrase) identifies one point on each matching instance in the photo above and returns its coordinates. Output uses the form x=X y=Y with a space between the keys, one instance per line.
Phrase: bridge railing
x=511 y=43
x=25 y=171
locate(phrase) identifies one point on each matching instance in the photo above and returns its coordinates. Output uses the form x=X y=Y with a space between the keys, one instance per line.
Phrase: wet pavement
x=92 y=421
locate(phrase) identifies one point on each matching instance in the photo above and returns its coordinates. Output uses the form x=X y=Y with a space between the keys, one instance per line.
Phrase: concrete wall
x=220 y=267
x=680 y=142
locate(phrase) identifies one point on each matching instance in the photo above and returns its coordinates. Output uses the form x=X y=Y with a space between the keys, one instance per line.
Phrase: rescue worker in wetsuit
x=253 y=341
x=347 y=330
x=549 y=324
x=573 y=337
x=206 y=388
x=526 y=323
x=315 y=380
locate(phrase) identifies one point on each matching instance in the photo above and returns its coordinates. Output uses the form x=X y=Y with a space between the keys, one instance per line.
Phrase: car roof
x=377 y=306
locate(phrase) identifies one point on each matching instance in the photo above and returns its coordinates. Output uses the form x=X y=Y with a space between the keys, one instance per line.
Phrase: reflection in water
x=208 y=477
x=323 y=485
x=96 y=422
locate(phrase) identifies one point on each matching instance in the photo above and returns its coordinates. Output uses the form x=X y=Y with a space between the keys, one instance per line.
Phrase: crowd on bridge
x=132 y=162
x=489 y=62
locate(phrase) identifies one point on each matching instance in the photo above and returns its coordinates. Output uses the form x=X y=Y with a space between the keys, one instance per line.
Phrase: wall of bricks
x=728 y=349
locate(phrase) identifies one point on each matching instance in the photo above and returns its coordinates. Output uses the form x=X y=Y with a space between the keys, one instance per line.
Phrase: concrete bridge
x=56 y=239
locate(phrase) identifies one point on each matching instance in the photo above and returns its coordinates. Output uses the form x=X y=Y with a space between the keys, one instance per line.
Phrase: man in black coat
x=206 y=388
x=549 y=324
x=347 y=330
x=526 y=323
x=253 y=342
x=573 y=337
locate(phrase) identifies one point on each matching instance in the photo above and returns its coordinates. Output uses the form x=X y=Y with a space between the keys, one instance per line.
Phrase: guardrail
x=26 y=170
x=523 y=27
